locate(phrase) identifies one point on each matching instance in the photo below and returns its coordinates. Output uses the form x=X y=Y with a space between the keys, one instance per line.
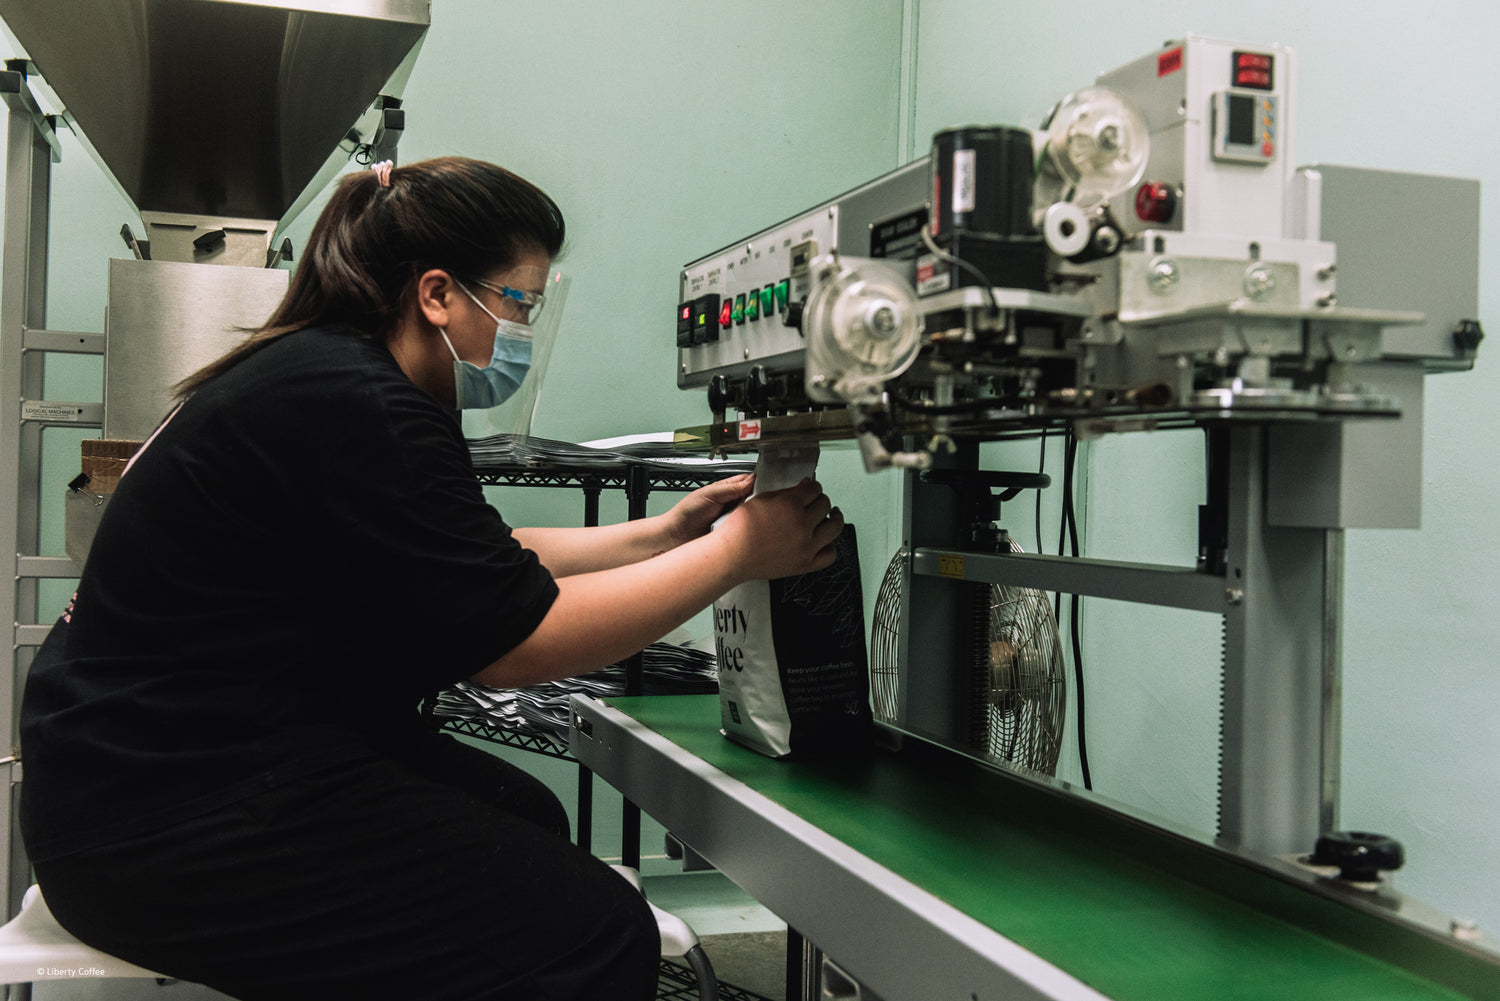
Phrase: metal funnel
x=208 y=112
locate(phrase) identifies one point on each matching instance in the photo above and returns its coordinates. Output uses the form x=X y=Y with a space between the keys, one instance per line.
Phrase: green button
x=737 y=314
x=768 y=299
x=752 y=305
x=783 y=292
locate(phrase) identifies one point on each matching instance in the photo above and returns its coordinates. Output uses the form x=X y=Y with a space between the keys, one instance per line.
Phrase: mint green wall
x=1382 y=84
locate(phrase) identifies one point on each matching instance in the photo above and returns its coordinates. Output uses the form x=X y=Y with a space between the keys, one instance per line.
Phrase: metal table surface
x=925 y=876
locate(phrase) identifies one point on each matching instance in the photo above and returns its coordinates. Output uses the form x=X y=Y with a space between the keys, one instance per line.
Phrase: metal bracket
x=15 y=92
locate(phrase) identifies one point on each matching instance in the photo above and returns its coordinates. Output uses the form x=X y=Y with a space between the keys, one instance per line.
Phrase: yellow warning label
x=950 y=565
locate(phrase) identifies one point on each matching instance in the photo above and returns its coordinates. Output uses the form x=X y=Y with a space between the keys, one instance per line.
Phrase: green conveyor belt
x=1071 y=889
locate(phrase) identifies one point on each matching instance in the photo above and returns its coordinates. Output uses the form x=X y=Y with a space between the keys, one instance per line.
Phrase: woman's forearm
x=569 y=551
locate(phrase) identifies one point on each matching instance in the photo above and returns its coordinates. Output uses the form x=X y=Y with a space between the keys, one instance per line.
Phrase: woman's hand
x=692 y=516
x=783 y=533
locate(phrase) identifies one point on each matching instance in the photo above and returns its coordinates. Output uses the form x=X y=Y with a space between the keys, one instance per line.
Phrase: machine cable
x=1069 y=530
x=957 y=262
x=1041 y=470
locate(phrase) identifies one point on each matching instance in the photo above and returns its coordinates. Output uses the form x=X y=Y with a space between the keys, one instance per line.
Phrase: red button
x=1266 y=149
x=1155 y=202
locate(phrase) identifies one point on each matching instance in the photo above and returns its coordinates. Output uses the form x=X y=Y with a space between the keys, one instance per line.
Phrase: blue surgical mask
x=478 y=388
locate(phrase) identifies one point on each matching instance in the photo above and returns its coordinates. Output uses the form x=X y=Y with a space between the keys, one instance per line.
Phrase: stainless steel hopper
x=219 y=121
x=222 y=116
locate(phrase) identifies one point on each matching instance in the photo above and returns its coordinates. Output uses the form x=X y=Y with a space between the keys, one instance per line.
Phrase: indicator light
x=752 y=305
x=685 y=325
x=737 y=314
x=1253 y=69
x=726 y=314
x=705 y=315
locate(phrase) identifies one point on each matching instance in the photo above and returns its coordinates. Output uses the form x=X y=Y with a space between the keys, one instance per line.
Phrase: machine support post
x=1281 y=642
x=935 y=700
x=1333 y=679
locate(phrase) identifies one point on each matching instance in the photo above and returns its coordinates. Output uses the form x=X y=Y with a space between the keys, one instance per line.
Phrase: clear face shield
x=519 y=290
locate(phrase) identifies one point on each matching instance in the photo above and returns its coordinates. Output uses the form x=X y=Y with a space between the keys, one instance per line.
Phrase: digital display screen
x=1241 y=131
x=1253 y=69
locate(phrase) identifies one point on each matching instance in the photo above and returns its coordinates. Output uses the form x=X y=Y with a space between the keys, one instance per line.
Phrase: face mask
x=478 y=388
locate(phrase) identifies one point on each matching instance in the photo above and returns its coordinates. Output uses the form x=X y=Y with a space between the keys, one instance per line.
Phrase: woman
x=226 y=777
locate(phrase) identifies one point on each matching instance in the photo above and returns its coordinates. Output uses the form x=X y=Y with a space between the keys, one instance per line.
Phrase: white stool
x=678 y=941
x=33 y=947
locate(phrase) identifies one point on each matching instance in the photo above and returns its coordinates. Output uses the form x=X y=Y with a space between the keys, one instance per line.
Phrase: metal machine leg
x=1281 y=667
x=936 y=612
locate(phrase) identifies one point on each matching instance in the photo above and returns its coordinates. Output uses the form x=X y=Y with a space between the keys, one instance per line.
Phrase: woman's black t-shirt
x=298 y=556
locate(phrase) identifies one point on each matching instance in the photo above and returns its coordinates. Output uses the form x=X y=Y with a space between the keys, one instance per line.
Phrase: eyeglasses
x=529 y=303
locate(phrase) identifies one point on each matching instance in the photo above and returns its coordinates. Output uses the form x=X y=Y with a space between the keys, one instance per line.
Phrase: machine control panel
x=1246 y=126
x=735 y=303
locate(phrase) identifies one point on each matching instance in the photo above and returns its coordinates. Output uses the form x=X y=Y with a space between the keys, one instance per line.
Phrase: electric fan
x=1021 y=692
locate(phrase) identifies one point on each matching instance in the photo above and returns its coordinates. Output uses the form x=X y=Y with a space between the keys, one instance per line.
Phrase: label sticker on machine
x=898 y=237
x=931 y=277
x=951 y=565
x=37 y=410
x=749 y=431
x=963 y=181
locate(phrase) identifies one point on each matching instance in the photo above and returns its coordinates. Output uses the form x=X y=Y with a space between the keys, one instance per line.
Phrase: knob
x=1467 y=335
x=1360 y=856
x=757 y=390
x=718 y=394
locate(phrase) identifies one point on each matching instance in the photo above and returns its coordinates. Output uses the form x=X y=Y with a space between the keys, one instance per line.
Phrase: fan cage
x=1019 y=668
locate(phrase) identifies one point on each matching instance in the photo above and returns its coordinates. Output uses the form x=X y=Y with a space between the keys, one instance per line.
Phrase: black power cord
x=970 y=269
x=1068 y=531
x=1041 y=469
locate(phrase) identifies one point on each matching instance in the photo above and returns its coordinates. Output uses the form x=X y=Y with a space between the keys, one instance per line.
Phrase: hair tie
x=383 y=173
